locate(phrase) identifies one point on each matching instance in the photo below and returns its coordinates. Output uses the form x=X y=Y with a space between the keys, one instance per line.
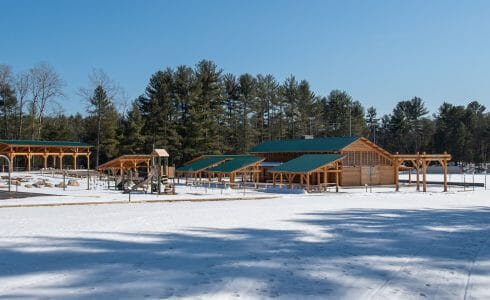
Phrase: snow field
x=351 y=245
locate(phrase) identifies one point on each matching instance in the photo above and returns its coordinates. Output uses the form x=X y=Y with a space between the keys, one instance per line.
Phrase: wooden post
x=61 y=162
x=318 y=180
x=45 y=157
x=280 y=178
x=337 y=177
x=88 y=161
x=418 y=172
x=29 y=162
x=397 y=188
x=291 y=178
x=444 y=168
x=74 y=161
x=308 y=182
x=424 y=174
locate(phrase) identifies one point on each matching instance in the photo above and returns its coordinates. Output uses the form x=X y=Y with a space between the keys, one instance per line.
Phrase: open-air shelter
x=311 y=169
x=56 y=150
x=122 y=164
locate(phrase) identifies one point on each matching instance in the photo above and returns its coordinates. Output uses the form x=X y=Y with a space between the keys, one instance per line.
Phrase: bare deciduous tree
x=45 y=85
x=22 y=84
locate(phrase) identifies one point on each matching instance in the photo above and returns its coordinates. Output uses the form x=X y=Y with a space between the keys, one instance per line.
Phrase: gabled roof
x=126 y=160
x=304 y=145
x=210 y=161
x=306 y=163
x=235 y=164
x=44 y=143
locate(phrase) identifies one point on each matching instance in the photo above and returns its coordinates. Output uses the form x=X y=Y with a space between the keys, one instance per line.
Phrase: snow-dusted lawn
x=351 y=245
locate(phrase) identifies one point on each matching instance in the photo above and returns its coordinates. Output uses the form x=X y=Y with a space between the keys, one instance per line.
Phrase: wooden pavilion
x=123 y=164
x=53 y=151
x=221 y=166
x=311 y=169
x=358 y=162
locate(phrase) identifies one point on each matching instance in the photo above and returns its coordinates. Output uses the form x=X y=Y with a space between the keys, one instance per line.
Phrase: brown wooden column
x=307 y=182
x=45 y=157
x=29 y=162
x=88 y=161
x=337 y=177
x=424 y=174
x=418 y=172
x=396 y=173
x=444 y=168
x=74 y=161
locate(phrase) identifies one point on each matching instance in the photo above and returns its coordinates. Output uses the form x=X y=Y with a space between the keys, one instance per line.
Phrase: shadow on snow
x=350 y=246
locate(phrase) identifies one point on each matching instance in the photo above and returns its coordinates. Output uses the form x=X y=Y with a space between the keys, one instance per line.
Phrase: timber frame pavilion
x=57 y=150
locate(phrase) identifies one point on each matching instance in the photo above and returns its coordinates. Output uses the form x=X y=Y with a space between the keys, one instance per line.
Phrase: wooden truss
x=124 y=163
x=56 y=152
x=251 y=171
x=420 y=163
x=305 y=178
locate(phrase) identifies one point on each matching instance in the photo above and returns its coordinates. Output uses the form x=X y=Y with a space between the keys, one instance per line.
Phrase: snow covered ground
x=350 y=245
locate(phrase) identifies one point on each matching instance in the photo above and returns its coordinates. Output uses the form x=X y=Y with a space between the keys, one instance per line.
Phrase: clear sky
x=380 y=52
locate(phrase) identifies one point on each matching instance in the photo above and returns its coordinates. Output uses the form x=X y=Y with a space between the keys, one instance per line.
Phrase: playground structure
x=125 y=170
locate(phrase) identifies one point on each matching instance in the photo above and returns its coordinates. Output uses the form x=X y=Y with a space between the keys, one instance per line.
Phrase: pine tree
x=290 y=97
x=8 y=101
x=232 y=116
x=184 y=93
x=102 y=125
x=206 y=113
x=159 y=109
x=307 y=113
x=246 y=96
x=134 y=141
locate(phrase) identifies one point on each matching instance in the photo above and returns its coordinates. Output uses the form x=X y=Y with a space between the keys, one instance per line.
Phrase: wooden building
x=363 y=161
x=321 y=162
x=51 y=153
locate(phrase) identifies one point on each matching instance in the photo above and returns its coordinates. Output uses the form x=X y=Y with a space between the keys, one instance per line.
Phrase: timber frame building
x=321 y=162
x=51 y=152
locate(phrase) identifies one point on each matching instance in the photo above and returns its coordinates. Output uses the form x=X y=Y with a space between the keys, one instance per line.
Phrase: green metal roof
x=304 y=145
x=208 y=161
x=236 y=164
x=44 y=143
x=201 y=164
x=306 y=163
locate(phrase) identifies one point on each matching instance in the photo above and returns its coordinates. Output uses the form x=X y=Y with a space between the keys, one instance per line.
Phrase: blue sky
x=380 y=52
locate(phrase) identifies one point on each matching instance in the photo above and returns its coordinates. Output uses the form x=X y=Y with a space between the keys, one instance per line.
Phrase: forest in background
x=202 y=110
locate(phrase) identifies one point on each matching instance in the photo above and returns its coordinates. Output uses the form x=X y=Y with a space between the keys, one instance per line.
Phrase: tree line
x=202 y=110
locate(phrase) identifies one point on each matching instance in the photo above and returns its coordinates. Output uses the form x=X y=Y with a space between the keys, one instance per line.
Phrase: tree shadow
x=345 y=254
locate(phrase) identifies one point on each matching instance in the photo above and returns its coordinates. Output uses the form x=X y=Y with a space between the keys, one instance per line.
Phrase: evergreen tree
x=102 y=125
x=290 y=98
x=231 y=110
x=159 y=109
x=342 y=116
x=133 y=139
x=267 y=109
x=246 y=96
x=206 y=114
x=8 y=101
x=407 y=126
x=184 y=93
x=308 y=114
